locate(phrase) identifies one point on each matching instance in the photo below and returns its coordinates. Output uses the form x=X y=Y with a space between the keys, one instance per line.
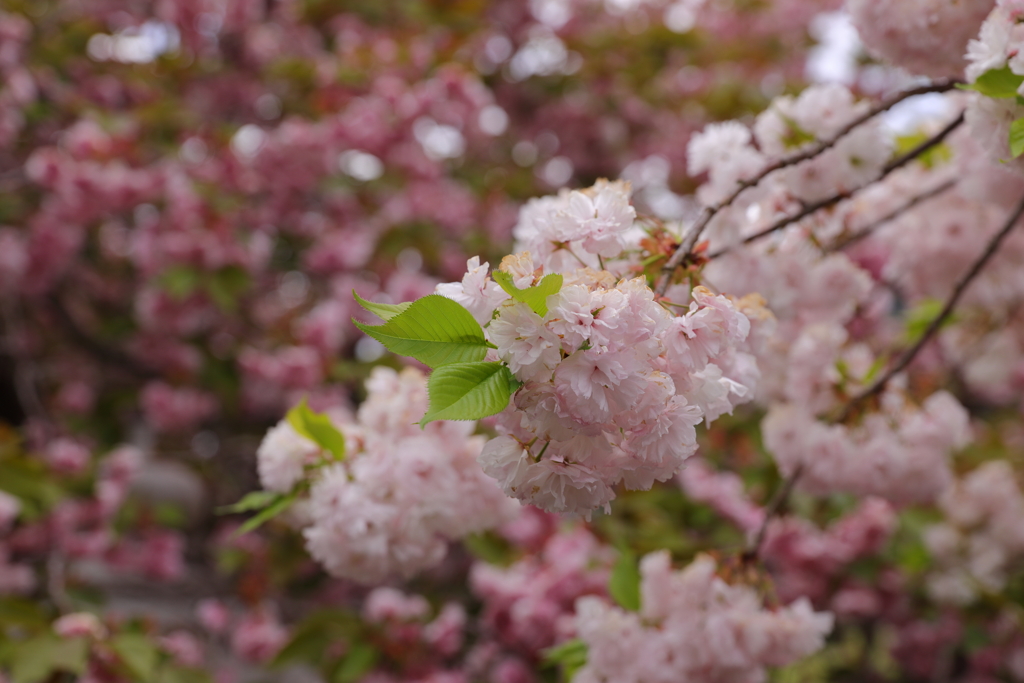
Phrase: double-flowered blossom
x=810 y=562
x=401 y=493
x=997 y=49
x=792 y=124
x=925 y=37
x=693 y=626
x=530 y=603
x=614 y=382
x=900 y=453
x=982 y=538
x=576 y=227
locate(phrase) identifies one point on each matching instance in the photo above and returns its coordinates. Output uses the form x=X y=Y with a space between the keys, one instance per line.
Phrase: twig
x=773 y=508
x=110 y=355
x=907 y=356
x=813 y=208
x=895 y=213
x=785 y=489
x=709 y=212
x=56 y=581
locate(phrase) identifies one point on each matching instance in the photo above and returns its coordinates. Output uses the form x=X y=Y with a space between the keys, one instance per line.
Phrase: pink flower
x=171 y=409
x=258 y=636
x=67 y=456
x=79 y=624
x=213 y=615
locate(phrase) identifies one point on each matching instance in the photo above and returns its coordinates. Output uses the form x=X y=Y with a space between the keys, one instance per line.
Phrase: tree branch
x=894 y=214
x=709 y=212
x=907 y=356
x=773 y=508
x=785 y=489
x=813 y=208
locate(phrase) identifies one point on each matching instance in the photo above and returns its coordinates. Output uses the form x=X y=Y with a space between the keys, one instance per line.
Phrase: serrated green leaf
x=254 y=500
x=273 y=510
x=382 y=311
x=434 y=330
x=36 y=659
x=624 y=582
x=999 y=83
x=468 y=391
x=1017 y=138
x=357 y=663
x=318 y=428
x=535 y=296
x=571 y=656
x=138 y=654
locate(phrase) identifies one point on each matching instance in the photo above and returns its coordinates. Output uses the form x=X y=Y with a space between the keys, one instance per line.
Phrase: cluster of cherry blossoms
x=693 y=626
x=191 y=191
x=397 y=496
x=981 y=538
x=610 y=382
x=996 y=71
x=900 y=453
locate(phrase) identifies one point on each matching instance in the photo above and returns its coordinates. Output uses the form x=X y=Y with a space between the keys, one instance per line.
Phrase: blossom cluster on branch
x=750 y=410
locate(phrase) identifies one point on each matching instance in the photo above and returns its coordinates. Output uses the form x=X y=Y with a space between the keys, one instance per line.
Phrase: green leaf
x=930 y=159
x=875 y=368
x=29 y=482
x=226 y=285
x=624 y=583
x=999 y=83
x=273 y=510
x=795 y=136
x=138 y=654
x=1017 y=138
x=318 y=428
x=570 y=655
x=468 y=391
x=174 y=674
x=306 y=645
x=254 y=500
x=180 y=281
x=312 y=638
x=921 y=316
x=29 y=614
x=535 y=296
x=434 y=330
x=360 y=659
x=35 y=660
x=490 y=547
x=382 y=311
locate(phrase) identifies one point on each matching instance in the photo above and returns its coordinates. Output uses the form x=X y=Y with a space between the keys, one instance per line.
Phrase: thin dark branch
x=907 y=356
x=894 y=214
x=709 y=212
x=773 y=508
x=813 y=208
